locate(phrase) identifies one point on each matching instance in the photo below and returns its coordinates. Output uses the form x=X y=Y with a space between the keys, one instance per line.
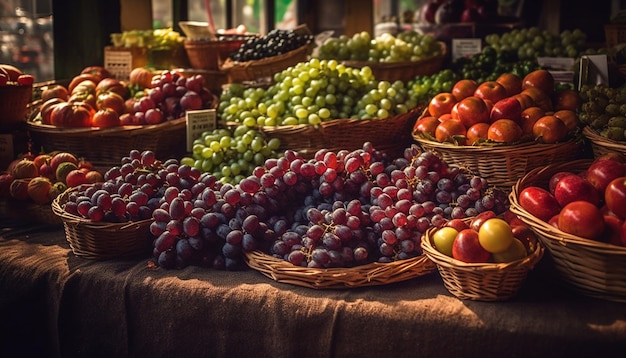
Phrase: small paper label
x=119 y=63
x=198 y=122
x=556 y=63
x=594 y=70
x=465 y=47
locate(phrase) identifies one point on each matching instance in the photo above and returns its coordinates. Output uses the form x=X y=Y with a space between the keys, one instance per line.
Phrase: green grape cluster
x=530 y=43
x=490 y=63
x=604 y=110
x=312 y=92
x=422 y=88
x=406 y=46
x=231 y=154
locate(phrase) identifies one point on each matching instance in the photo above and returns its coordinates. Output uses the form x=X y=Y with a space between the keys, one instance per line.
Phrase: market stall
x=57 y=304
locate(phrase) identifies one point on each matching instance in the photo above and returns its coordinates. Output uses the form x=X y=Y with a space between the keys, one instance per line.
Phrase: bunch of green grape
x=312 y=92
x=530 y=43
x=490 y=63
x=604 y=110
x=231 y=154
x=422 y=88
x=406 y=46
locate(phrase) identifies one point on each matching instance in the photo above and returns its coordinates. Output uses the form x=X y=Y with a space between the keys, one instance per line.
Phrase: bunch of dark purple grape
x=130 y=192
x=338 y=209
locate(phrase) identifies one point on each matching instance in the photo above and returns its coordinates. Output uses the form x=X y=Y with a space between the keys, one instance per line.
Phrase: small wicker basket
x=614 y=34
x=404 y=70
x=206 y=54
x=390 y=135
x=105 y=147
x=503 y=165
x=481 y=281
x=26 y=209
x=590 y=267
x=14 y=105
x=102 y=240
x=601 y=145
x=372 y=274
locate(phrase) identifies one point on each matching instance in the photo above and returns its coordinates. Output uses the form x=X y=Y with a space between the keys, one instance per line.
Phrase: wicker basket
x=481 y=281
x=106 y=147
x=614 y=34
x=372 y=274
x=592 y=268
x=390 y=135
x=205 y=54
x=405 y=70
x=102 y=240
x=25 y=209
x=601 y=145
x=503 y=165
x=251 y=71
x=13 y=105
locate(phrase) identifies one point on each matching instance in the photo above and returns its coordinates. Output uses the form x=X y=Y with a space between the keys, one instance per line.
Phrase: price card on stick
x=198 y=122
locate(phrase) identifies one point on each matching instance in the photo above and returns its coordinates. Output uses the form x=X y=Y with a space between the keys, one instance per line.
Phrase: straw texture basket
x=105 y=147
x=390 y=135
x=592 y=268
x=25 y=209
x=372 y=274
x=206 y=54
x=503 y=165
x=481 y=281
x=405 y=70
x=102 y=240
x=13 y=105
x=601 y=145
x=251 y=71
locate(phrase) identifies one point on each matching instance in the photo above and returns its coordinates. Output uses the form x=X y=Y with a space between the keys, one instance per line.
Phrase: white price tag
x=119 y=63
x=557 y=63
x=198 y=122
x=465 y=47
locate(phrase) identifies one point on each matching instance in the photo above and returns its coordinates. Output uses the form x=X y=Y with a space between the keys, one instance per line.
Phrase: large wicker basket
x=404 y=70
x=106 y=147
x=601 y=145
x=503 y=165
x=13 y=105
x=481 y=281
x=592 y=268
x=390 y=135
x=102 y=240
x=33 y=212
x=372 y=274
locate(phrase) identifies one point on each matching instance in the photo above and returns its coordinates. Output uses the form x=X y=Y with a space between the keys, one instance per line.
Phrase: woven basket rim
x=111 y=131
x=230 y=65
x=370 y=274
x=595 y=137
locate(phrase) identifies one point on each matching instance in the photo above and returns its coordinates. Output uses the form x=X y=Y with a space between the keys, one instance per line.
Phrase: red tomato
x=76 y=114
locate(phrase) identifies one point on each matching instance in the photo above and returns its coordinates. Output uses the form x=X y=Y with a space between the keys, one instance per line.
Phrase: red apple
x=615 y=196
x=479 y=219
x=466 y=247
x=539 y=202
x=582 y=219
x=541 y=79
x=458 y=224
x=601 y=173
x=490 y=90
x=613 y=229
x=506 y=108
x=441 y=104
x=511 y=82
x=75 y=178
x=549 y=130
x=464 y=88
x=575 y=188
x=426 y=125
x=105 y=117
x=471 y=110
x=554 y=179
x=611 y=156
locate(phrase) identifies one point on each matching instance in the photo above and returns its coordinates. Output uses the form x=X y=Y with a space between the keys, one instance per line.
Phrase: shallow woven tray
x=503 y=165
x=601 y=145
x=480 y=281
x=106 y=147
x=372 y=274
x=389 y=135
x=102 y=240
x=404 y=70
x=592 y=268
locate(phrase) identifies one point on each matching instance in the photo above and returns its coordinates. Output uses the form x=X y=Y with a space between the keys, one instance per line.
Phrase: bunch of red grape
x=338 y=209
